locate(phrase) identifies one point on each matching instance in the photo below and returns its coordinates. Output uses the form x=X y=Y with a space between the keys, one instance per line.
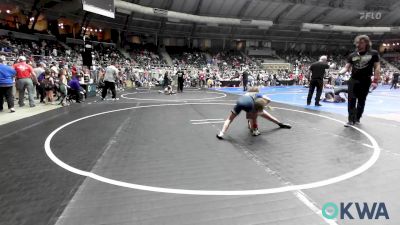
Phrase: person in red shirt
x=24 y=81
x=202 y=79
x=300 y=79
x=74 y=71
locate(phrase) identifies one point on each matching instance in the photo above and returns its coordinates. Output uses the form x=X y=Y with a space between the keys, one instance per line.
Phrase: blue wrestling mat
x=380 y=102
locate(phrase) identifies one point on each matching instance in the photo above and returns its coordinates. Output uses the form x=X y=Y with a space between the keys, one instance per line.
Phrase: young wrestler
x=168 y=90
x=253 y=103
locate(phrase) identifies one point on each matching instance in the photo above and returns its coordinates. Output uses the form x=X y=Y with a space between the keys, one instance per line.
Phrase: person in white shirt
x=110 y=77
x=54 y=67
x=39 y=90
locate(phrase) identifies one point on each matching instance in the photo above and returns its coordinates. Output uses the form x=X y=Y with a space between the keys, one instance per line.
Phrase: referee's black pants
x=315 y=83
x=111 y=86
x=245 y=83
x=357 y=95
x=394 y=84
x=180 y=84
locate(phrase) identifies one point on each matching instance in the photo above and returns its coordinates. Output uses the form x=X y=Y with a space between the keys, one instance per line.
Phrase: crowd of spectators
x=393 y=58
x=185 y=58
x=227 y=60
x=59 y=77
x=14 y=46
x=46 y=71
x=145 y=56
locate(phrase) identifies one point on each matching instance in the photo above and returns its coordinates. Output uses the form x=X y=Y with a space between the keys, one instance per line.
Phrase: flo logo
x=355 y=210
x=370 y=15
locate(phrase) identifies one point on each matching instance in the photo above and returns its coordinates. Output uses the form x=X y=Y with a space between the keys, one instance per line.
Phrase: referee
x=317 y=79
x=245 y=79
x=180 y=75
x=363 y=63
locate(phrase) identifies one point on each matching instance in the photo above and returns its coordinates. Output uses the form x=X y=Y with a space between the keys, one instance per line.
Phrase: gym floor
x=153 y=159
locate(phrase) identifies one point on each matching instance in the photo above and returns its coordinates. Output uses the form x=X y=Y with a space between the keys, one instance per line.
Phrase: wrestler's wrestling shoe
x=285 y=126
x=220 y=135
x=255 y=132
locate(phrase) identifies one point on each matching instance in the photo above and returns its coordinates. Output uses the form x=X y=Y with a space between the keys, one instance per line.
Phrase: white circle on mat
x=364 y=167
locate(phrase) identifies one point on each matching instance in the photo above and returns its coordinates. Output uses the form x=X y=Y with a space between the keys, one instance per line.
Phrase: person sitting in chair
x=75 y=89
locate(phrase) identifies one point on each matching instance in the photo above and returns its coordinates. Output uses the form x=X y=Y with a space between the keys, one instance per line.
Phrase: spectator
x=40 y=88
x=39 y=71
x=7 y=75
x=110 y=78
x=166 y=80
x=63 y=84
x=202 y=79
x=48 y=85
x=54 y=67
x=75 y=89
x=25 y=75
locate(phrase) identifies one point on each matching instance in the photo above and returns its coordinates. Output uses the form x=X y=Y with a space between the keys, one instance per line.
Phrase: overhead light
x=398 y=43
x=95 y=30
x=91 y=30
x=83 y=28
x=101 y=31
x=393 y=44
x=8 y=11
x=384 y=44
